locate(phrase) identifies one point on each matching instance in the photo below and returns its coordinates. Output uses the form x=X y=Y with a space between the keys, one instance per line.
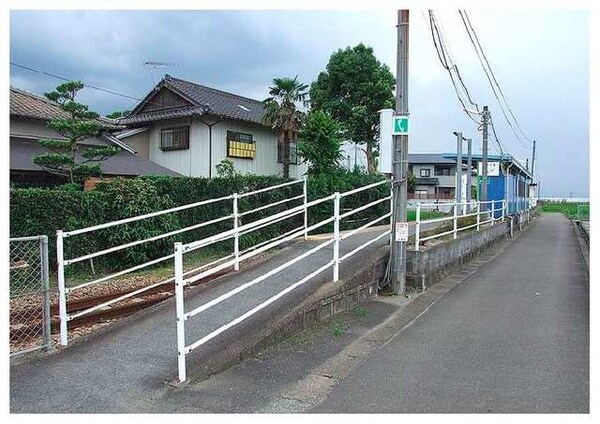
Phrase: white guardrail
x=237 y=231
x=181 y=280
x=488 y=215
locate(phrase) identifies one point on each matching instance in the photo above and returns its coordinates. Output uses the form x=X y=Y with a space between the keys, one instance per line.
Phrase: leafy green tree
x=282 y=113
x=412 y=183
x=119 y=114
x=352 y=89
x=320 y=143
x=79 y=124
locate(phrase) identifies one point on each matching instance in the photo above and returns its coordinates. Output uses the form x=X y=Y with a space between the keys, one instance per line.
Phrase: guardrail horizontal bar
x=437 y=235
x=362 y=246
x=257 y=280
x=148 y=215
x=357 y=190
x=118 y=299
x=431 y=221
x=254 y=310
x=356 y=230
x=266 y=224
x=260 y=208
x=226 y=234
x=295 y=230
x=244 y=229
x=367 y=206
x=118 y=274
x=259 y=250
x=137 y=242
x=262 y=190
x=467 y=227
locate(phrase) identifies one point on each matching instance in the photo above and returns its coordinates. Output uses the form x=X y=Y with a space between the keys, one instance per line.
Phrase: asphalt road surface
x=513 y=337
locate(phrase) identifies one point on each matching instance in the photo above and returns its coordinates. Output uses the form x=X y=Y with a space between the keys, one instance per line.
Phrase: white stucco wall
x=194 y=161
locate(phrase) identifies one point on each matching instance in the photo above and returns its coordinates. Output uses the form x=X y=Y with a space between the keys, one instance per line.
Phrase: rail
x=489 y=217
x=237 y=255
x=181 y=281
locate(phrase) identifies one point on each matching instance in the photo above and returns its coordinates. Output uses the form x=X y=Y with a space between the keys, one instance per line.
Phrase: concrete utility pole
x=469 y=164
x=484 y=153
x=458 y=190
x=533 y=158
x=400 y=159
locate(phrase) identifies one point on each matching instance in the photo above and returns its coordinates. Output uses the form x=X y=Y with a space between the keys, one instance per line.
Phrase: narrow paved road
x=514 y=337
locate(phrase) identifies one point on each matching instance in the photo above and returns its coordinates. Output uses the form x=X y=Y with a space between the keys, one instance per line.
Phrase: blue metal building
x=508 y=179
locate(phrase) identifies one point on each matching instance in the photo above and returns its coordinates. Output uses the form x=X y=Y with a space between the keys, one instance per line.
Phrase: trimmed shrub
x=43 y=211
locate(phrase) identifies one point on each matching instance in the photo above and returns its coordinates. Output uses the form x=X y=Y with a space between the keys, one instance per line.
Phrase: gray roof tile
x=206 y=100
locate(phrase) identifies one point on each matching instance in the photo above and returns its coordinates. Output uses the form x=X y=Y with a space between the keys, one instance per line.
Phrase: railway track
x=24 y=316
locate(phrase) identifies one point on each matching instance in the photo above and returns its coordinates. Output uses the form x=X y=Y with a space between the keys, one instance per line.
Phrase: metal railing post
x=236 y=240
x=46 y=290
x=305 y=193
x=493 y=212
x=503 y=209
x=62 y=295
x=179 y=305
x=478 y=215
x=417 y=226
x=455 y=234
x=336 y=237
x=391 y=211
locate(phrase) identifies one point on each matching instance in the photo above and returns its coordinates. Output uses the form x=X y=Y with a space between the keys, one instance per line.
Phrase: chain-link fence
x=29 y=295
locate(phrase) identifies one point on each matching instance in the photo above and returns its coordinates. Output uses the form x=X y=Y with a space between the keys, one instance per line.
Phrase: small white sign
x=493 y=169
x=401 y=231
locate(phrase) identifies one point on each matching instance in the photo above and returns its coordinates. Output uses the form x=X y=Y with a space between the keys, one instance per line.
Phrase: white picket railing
x=237 y=231
x=181 y=281
x=489 y=218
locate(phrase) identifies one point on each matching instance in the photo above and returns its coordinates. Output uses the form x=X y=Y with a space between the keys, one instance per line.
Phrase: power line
x=67 y=79
x=449 y=66
x=491 y=77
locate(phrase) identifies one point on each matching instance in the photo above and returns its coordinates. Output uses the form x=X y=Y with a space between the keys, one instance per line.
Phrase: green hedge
x=43 y=211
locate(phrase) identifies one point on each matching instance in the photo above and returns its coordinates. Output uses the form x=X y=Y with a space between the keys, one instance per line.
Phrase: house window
x=293 y=153
x=240 y=145
x=425 y=173
x=177 y=138
x=442 y=170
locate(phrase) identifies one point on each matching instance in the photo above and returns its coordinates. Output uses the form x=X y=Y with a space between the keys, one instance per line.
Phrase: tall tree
x=282 y=113
x=119 y=114
x=353 y=88
x=79 y=124
x=320 y=143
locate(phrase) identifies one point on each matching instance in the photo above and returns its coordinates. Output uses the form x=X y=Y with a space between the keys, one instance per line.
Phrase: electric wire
x=494 y=78
x=504 y=106
x=447 y=63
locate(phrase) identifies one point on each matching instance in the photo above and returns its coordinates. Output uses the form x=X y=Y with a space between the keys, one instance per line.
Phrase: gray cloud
x=540 y=58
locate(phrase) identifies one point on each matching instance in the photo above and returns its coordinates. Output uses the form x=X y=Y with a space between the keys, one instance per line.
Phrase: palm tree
x=283 y=116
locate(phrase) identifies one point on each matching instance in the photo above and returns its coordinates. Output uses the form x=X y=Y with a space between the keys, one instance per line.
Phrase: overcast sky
x=540 y=59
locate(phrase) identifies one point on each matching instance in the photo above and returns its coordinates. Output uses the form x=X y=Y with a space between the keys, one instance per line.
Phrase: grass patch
x=360 y=311
x=570 y=210
x=338 y=328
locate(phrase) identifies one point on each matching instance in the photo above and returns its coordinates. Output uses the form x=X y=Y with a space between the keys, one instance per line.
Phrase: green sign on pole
x=400 y=125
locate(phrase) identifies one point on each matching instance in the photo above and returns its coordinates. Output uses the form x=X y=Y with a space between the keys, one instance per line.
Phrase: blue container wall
x=497 y=191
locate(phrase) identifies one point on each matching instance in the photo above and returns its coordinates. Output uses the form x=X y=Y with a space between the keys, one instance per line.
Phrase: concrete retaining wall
x=429 y=265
